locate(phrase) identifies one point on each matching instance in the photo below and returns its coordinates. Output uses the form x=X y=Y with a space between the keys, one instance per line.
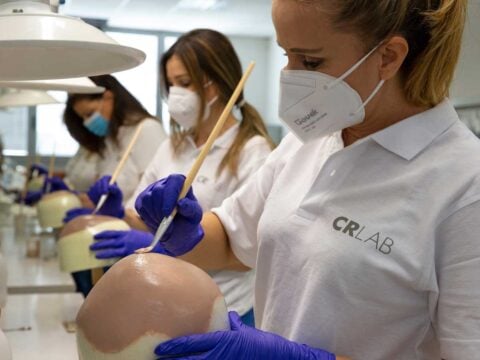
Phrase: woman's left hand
x=53 y=184
x=242 y=342
x=114 y=243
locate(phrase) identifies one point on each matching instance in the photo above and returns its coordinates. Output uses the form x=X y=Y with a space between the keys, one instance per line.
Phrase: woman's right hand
x=158 y=201
x=113 y=205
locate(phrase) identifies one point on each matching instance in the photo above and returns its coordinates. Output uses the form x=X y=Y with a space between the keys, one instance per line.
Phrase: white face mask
x=314 y=104
x=184 y=106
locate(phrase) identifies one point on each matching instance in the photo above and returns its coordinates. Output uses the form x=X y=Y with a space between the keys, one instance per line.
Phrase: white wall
x=466 y=87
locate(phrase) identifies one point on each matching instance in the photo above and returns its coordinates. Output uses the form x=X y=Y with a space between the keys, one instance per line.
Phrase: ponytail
x=250 y=126
x=432 y=72
x=432 y=28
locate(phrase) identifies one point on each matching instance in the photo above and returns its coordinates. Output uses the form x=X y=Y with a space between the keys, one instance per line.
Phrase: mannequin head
x=77 y=236
x=144 y=300
x=54 y=206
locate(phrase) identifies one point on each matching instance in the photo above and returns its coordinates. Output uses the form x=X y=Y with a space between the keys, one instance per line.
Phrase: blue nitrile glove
x=73 y=213
x=242 y=342
x=53 y=184
x=113 y=206
x=39 y=169
x=115 y=244
x=32 y=197
x=158 y=200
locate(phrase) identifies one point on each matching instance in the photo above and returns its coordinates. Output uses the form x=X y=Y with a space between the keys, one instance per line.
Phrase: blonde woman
x=363 y=224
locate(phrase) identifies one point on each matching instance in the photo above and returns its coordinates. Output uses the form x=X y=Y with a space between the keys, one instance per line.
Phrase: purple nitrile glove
x=73 y=213
x=114 y=244
x=53 y=184
x=37 y=169
x=158 y=200
x=32 y=197
x=241 y=342
x=113 y=206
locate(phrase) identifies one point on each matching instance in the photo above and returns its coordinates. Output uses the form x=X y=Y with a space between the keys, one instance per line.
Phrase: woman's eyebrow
x=303 y=51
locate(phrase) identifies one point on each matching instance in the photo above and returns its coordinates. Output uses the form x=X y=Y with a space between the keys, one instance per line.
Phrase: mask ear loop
x=377 y=89
x=352 y=69
x=211 y=102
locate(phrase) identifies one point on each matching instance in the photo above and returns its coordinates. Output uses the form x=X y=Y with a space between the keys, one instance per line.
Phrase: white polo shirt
x=370 y=251
x=81 y=170
x=150 y=138
x=210 y=190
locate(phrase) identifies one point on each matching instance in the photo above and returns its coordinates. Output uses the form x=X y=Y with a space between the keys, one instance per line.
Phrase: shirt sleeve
x=253 y=156
x=241 y=212
x=457 y=316
x=149 y=176
x=149 y=140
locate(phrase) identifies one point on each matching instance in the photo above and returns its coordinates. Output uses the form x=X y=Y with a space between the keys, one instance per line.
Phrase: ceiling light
x=15 y=98
x=37 y=44
x=200 y=4
x=77 y=86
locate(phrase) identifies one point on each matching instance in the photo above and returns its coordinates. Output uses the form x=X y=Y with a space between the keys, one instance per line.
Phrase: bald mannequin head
x=144 y=300
x=76 y=238
x=54 y=206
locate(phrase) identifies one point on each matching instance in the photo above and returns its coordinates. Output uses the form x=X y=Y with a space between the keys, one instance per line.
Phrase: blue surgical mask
x=97 y=124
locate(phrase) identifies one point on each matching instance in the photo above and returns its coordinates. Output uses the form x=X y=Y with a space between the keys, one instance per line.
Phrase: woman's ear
x=394 y=52
x=211 y=90
x=107 y=106
x=108 y=95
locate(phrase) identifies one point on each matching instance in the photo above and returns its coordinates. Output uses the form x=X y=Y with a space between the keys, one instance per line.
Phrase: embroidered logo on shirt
x=202 y=179
x=383 y=244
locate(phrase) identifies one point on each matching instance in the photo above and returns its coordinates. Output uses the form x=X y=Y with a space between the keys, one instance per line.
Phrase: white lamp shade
x=37 y=44
x=77 y=85
x=15 y=98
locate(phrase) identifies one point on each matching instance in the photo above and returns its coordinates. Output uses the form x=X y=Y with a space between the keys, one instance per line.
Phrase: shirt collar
x=224 y=141
x=411 y=136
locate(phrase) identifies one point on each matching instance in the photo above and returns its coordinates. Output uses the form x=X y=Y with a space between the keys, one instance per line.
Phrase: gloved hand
x=32 y=197
x=115 y=244
x=37 y=170
x=251 y=343
x=113 y=206
x=158 y=201
x=53 y=184
x=73 y=213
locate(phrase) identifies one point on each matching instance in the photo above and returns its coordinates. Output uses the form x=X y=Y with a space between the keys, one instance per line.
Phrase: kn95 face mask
x=184 y=106
x=314 y=104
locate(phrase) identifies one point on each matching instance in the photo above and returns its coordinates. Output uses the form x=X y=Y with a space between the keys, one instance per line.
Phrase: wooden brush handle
x=216 y=131
x=124 y=158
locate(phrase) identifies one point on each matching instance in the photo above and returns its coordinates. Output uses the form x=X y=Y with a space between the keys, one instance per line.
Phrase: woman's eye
x=312 y=64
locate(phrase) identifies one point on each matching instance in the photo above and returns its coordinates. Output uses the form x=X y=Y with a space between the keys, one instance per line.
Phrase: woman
x=103 y=124
x=200 y=72
x=363 y=228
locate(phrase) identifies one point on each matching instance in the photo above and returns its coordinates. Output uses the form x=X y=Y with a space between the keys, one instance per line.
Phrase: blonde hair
x=433 y=29
x=209 y=55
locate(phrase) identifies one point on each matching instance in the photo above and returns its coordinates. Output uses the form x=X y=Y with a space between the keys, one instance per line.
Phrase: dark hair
x=209 y=54
x=433 y=29
x=127 y=111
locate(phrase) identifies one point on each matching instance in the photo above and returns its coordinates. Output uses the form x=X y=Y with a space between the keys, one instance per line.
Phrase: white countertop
x=45 y=314
x=31 y=275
